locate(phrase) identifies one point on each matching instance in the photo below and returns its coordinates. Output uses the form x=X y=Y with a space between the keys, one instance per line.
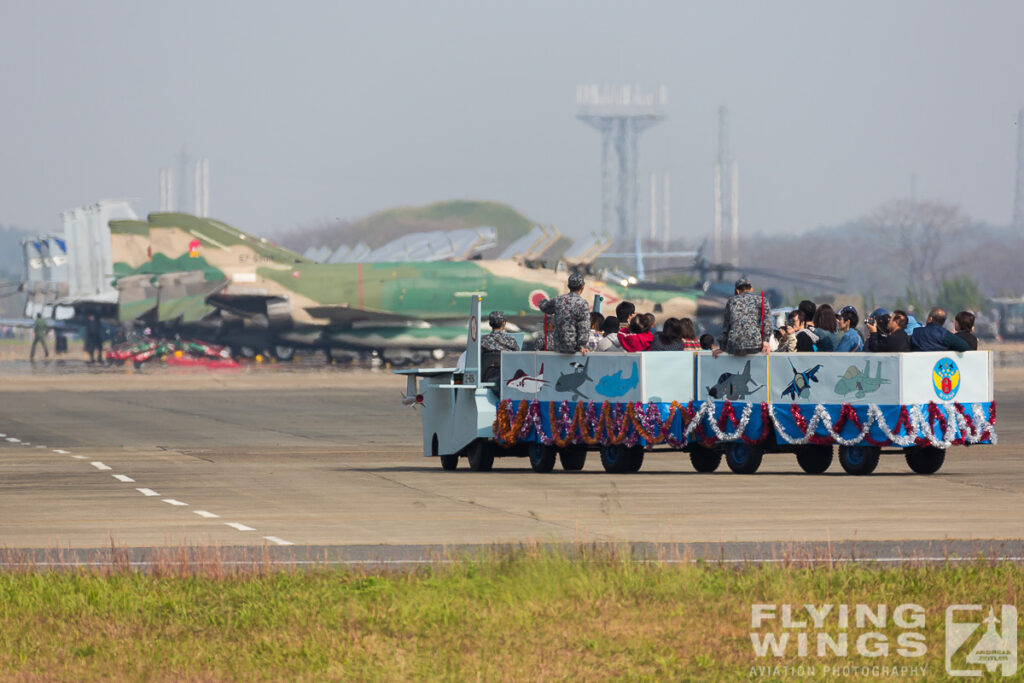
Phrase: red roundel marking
x=536 y=296
x=474 y=328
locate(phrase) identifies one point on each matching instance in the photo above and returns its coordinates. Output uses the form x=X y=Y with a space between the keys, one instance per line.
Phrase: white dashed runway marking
x=148 y=492
x=278 y=541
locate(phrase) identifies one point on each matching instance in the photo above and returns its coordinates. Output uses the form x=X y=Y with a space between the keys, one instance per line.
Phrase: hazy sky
x=318 y=110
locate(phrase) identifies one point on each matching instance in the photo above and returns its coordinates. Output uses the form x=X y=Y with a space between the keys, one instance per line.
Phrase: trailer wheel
x=859 y=460
x=573 y=458
x=636 y=460
x=814 y=459
x=480 y=455
x=704 y=459
x=925 y=459
x=542 y=457
x=448 y=462
x=621 y=459
x=743 y=458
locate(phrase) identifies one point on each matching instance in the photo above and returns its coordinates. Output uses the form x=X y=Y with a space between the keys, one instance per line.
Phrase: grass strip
x=527 y=614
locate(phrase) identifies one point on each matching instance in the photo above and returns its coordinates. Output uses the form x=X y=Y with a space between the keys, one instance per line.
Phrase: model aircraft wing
x=345 y=315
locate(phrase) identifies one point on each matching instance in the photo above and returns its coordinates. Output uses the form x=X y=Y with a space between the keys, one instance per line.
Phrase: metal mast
x=1018 y=197
x=726 y=192
x=620 y=113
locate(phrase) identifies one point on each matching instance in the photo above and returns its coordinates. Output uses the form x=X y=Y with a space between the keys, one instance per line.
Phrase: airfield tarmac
x=323 y=462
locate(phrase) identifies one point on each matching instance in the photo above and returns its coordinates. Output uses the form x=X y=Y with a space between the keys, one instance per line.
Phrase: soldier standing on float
x=497 y=339
x=570 y=324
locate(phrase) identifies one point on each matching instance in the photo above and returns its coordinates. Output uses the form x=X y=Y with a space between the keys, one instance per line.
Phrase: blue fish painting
x=614 y=385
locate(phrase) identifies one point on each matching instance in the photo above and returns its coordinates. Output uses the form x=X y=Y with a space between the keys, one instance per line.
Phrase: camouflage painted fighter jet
x=233 y=288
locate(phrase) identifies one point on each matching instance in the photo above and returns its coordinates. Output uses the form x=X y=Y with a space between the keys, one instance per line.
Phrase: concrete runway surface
x=326 y=464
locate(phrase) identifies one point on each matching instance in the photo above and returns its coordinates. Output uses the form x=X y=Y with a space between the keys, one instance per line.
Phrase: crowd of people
x=747 y=328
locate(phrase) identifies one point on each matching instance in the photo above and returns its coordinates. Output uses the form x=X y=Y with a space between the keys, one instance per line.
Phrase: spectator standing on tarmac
x=39 y=329
x=94 y=339
x=497 y=339
x=747 y=324
x=570 y=319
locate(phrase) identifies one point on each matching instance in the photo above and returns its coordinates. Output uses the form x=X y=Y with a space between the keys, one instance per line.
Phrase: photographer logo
x=972 y=650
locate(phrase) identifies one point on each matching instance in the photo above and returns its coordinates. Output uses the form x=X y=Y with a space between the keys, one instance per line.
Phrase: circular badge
x=946 y=378
x=536 y=296
x=474 y=328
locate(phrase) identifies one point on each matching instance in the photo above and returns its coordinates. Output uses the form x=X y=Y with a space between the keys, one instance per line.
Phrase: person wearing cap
x=849 y=337
x=497 y=339
x=747 y=323
x=569 y=329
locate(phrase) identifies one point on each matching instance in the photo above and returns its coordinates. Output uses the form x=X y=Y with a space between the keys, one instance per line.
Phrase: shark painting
x=860 y=381
x=614 y=385
x=734 y=386
x=801 y=384
x=526 y=384
x=572 y=381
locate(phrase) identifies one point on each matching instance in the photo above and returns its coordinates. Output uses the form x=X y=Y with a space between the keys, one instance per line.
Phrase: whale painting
x=614 y=385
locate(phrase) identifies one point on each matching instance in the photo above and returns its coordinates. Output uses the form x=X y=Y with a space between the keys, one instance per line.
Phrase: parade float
x=551 y=407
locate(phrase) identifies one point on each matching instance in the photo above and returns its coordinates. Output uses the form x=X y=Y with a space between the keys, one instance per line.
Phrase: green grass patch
x=526 y=615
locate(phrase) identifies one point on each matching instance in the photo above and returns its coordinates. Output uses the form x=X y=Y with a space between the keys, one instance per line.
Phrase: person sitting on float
x=826 y=327
x=965 y=329
x=640 y=335
x=849 y=337
x=935 y=337
x=610 y=328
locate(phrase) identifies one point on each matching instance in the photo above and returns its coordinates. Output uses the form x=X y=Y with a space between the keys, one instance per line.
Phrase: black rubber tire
x=621 y=459
x=925 y=459
x=859 y=460
x=743 y=458
x=636 y=460
x=814 y=459
x=480 y=455
x=573 y=458
x=542 y=458
x=449 y=462
x=704 y=459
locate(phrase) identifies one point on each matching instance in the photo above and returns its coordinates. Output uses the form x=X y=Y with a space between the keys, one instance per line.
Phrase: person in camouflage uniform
x=747 y=325
x=498 y=339
x=570 y=319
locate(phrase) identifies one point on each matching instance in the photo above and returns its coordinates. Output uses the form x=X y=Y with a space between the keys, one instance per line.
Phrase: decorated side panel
x=560 y=377
x=832 y=378
x=668 y=376
x=732 y=378
x=947 y=377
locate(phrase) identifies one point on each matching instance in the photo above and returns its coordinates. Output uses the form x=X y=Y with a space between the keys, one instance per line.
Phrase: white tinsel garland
x=919 y=427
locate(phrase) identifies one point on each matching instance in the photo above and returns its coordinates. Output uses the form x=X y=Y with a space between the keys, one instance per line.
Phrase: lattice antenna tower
x=620 y=113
